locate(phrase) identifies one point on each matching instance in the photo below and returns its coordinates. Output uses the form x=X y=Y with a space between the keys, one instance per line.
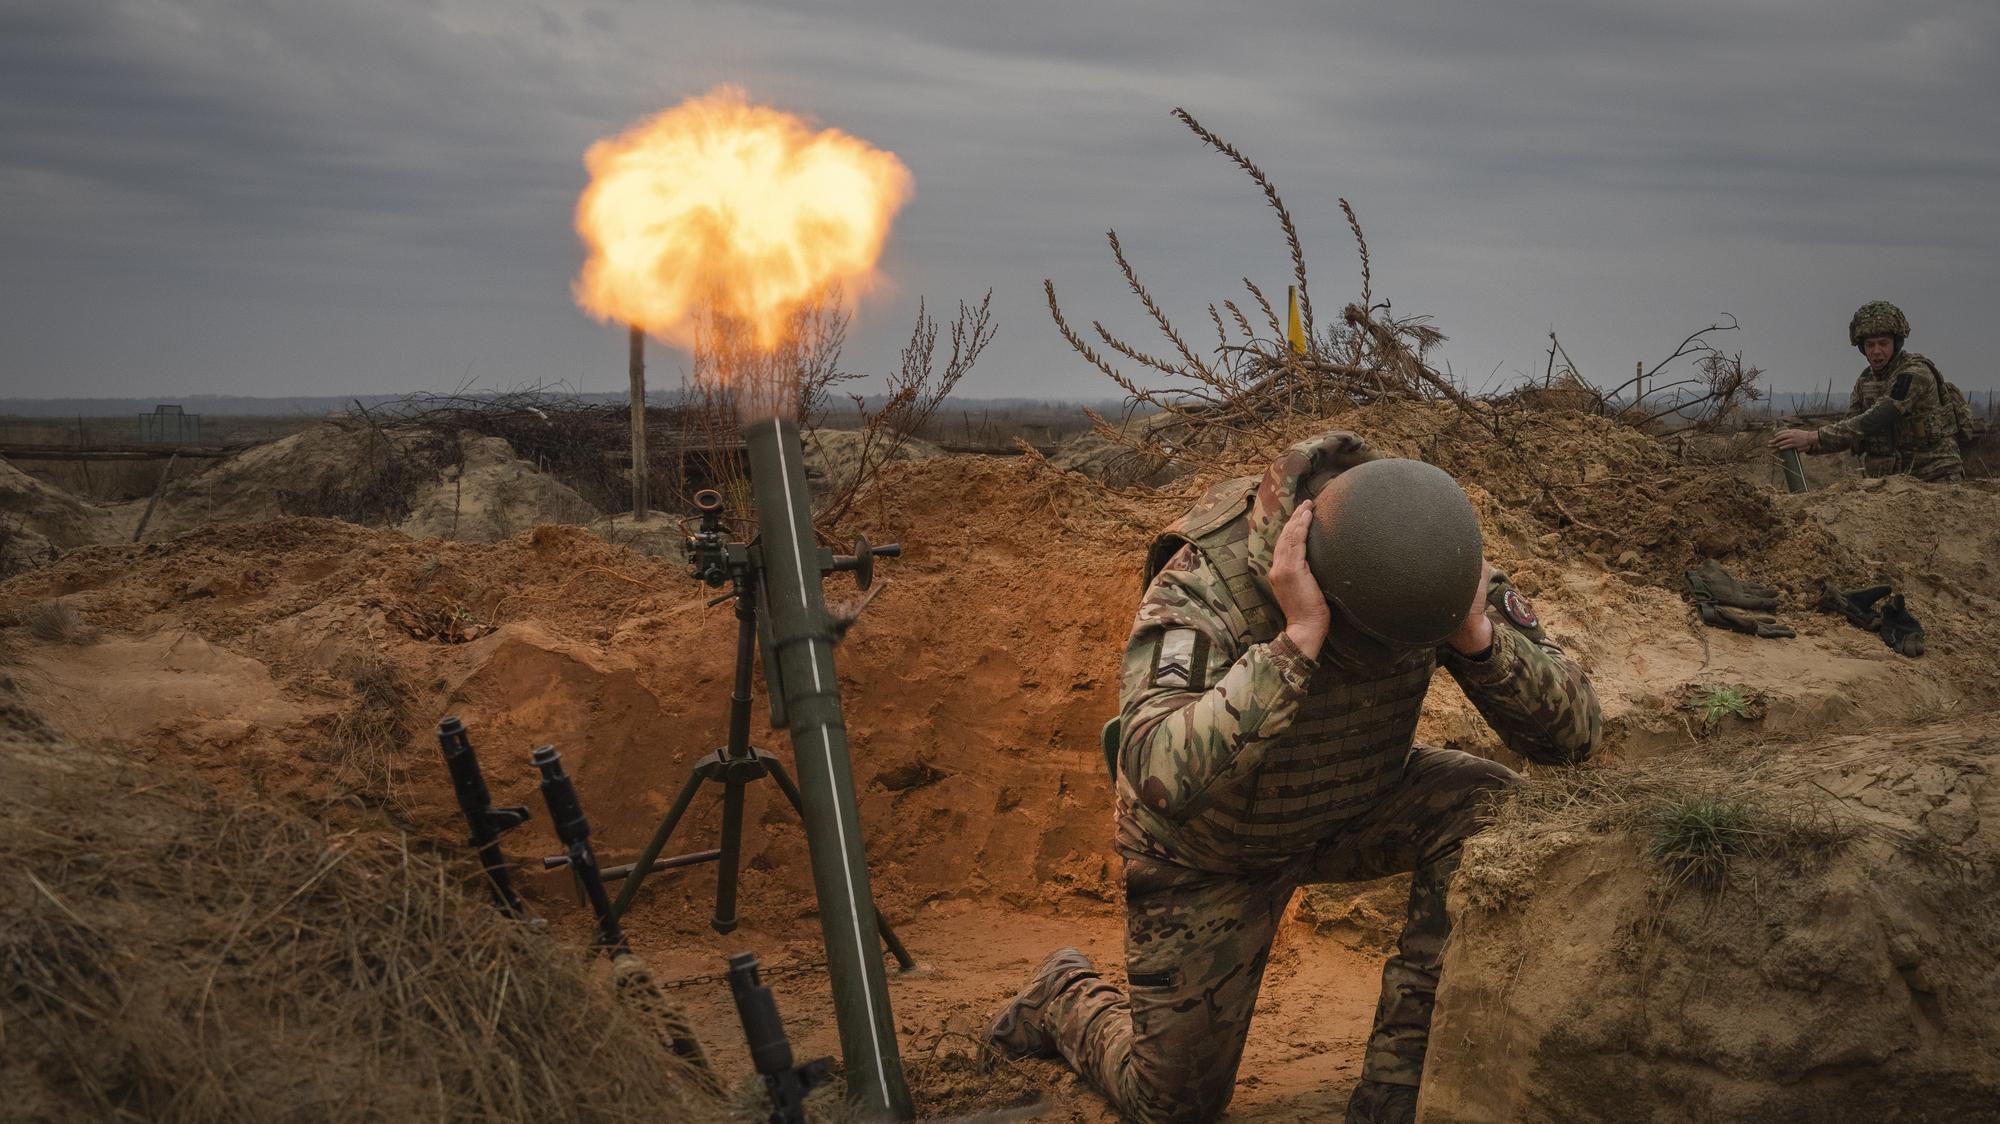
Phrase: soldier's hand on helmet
x=1307 y=613
x=1804 y=439
x=1476 y=634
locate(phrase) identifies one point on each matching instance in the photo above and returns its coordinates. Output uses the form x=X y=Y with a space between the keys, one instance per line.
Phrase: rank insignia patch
x=1519 y=611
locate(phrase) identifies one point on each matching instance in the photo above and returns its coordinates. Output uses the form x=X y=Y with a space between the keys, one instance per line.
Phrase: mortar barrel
x=801 y=638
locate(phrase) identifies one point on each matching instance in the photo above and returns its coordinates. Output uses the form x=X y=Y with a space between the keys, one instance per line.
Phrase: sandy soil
x=976 y=683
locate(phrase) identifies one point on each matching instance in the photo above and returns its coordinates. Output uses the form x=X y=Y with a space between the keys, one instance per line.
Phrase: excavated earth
x=247 y=653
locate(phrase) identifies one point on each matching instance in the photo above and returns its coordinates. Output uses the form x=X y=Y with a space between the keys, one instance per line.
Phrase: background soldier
x=1271 y=691
x=1899 y=419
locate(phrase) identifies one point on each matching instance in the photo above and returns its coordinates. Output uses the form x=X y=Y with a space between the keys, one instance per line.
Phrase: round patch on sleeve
x=1519 y=611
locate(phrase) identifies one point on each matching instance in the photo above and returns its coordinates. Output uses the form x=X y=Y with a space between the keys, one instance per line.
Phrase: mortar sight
x=710 y=555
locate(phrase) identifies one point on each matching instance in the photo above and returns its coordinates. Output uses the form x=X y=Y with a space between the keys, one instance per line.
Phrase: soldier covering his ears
x=1271 y=689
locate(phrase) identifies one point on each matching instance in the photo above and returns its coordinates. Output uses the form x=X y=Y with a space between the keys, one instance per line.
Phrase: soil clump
x=489 y=495
x=39 y=521
x=834 y=457
x=302 y=661
x=1819 y=944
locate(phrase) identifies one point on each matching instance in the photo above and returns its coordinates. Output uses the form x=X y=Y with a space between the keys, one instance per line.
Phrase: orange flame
x=721 y=208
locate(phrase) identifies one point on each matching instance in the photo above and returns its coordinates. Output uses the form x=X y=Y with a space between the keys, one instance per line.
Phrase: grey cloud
x=392 y=182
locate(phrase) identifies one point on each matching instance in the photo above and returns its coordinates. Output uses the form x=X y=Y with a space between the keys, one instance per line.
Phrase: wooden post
x=636 y=367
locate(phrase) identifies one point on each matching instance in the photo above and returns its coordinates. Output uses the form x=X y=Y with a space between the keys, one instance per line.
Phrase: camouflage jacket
x=1899 y=421
x=1211 y=684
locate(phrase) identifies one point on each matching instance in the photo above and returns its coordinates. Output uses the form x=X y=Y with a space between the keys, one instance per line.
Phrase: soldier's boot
x=1378 y=1102
x=1020 y=1029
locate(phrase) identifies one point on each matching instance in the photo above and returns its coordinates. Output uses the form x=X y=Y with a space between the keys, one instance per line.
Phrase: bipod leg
x=904 y=961
x=724 y=920
x=655 y=845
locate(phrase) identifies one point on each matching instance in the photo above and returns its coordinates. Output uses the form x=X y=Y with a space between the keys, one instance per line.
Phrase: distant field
x=123 y=429
x=119 y=480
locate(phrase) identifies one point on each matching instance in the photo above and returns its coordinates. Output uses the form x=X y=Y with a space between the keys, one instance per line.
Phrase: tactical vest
x=1345 y=748
x=1892 y=450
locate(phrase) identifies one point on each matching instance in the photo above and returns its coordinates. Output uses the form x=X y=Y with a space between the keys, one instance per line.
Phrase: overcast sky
x=346 y=196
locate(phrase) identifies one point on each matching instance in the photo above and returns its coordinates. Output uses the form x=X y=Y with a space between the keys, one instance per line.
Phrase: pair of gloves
x=1876 y=610
x=1738 y=606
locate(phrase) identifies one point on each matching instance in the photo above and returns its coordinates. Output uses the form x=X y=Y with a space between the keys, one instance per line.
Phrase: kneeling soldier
x=1272 y=686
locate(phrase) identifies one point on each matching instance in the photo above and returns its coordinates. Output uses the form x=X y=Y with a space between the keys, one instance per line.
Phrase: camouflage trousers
x=1938 y=464
x=1167 y=1047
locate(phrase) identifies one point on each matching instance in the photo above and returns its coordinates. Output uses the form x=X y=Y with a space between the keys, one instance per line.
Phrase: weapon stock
x=770 y=1050
x=573 y=831
x=486 y=822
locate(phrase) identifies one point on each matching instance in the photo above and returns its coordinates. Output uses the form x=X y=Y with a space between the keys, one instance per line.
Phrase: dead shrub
x=1261 y=374
x=378 y=492
x=58 y=623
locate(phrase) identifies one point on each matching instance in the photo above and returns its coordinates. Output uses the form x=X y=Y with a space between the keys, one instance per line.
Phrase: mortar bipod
x=735 y=766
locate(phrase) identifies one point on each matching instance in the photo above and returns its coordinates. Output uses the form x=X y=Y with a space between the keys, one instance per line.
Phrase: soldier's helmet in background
x=1877 y=318
x=1395 y=545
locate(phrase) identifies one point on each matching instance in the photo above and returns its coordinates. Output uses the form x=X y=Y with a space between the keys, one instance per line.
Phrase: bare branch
x=1277 y=204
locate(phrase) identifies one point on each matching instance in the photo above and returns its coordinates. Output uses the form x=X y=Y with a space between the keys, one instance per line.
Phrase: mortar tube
x=801 y=646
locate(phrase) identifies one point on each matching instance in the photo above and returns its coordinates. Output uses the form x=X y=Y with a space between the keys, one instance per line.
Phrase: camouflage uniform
x=1899 y=421
x=1246 y=769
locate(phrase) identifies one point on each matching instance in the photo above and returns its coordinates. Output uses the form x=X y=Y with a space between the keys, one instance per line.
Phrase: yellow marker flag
x=1295 y=334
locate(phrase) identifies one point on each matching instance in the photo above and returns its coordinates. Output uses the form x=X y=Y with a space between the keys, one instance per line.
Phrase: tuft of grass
x=1696 y=820
x=365 y=743
x=1711 y=703
x=57 y=623
x=1694 y=835
x=1716 y=703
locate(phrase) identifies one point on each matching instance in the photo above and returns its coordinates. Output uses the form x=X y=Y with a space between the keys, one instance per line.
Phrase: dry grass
x=365 y=744
x=173 y=956
x=1693 y=819
x=57 y=623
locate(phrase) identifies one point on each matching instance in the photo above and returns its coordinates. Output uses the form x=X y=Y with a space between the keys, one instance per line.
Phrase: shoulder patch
x=1180 y=659
x=1518 y=610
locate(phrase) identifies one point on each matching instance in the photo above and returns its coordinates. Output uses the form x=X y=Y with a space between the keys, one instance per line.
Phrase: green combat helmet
x=1877 y=318
x=1395 y=546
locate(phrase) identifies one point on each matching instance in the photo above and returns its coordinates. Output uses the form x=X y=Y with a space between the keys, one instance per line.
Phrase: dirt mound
x=662 y=534
x=1945 y=537
x=39 y=521
x=833 y=456
x=178 y=956
x=1100 y=458
x=1803 y=934
x=490 y=495
x=263 y=656
x=1607 y=491
x=352 y=472
x=975 y=729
